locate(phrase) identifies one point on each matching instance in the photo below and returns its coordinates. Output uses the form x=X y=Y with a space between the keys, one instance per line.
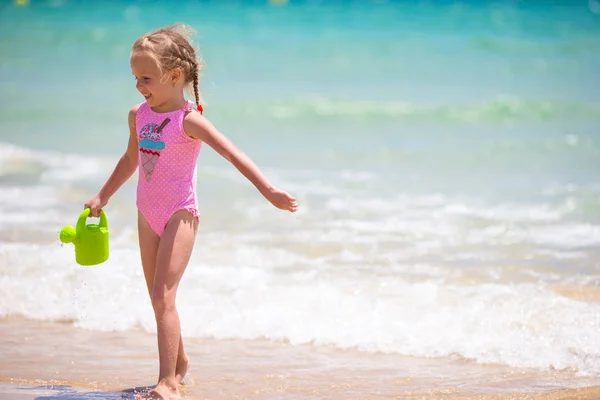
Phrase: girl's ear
x=176 y=75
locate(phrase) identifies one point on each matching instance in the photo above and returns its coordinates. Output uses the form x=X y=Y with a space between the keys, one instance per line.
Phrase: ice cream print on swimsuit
x=151 y=145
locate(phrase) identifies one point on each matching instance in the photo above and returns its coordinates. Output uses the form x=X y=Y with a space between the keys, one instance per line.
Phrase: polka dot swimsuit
x=167 y=165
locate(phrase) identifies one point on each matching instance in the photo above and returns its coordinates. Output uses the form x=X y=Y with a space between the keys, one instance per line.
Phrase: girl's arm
x=198 y=127
x=126 y=166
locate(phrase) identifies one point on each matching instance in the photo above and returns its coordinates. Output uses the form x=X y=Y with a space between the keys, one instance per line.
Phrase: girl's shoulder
x=136 y=107
x=194 y=123
x=132 y=116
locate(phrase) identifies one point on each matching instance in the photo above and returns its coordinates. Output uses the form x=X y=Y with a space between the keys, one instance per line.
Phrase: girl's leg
x=174 y=251
x=148 y=241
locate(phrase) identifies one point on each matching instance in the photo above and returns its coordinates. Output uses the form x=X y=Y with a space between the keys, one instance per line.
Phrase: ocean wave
x=524 y=325
x=588 y=44
x=45 y=165
x=497 y=110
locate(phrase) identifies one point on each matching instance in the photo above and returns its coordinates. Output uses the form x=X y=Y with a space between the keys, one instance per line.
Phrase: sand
x=44 y=361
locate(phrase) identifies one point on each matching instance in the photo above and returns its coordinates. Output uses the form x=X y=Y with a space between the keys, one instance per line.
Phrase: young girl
x=165 y=135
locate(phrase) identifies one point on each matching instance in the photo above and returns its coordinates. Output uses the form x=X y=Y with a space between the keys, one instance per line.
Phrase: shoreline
x=54 y=360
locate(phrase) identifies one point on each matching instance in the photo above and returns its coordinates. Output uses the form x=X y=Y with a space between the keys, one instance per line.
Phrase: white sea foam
x=522 y=325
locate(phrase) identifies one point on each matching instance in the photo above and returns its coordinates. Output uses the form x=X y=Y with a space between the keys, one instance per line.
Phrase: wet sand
x=46 y=361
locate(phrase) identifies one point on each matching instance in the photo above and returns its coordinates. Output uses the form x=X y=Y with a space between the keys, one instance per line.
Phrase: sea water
x=445 y=157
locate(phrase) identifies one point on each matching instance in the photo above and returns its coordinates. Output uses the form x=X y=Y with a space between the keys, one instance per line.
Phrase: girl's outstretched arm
x=124 y=169
x=198 y=127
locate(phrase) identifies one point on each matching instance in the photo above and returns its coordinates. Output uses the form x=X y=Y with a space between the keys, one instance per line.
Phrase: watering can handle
x=85 y=214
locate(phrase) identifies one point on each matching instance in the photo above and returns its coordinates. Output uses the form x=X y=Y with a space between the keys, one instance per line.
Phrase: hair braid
x=196 y=91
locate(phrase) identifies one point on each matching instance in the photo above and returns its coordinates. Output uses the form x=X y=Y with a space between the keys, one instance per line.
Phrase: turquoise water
x=445 y=155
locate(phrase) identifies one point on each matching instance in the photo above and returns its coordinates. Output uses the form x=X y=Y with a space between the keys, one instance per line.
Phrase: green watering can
x=91 y=240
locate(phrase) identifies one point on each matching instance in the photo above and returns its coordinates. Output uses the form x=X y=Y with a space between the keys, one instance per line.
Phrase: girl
x=165 y=135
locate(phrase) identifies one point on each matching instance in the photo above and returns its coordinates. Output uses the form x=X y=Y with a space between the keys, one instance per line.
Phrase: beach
x=445 y=159
x=46 y=361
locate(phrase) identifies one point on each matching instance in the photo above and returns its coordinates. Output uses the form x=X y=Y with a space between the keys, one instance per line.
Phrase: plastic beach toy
x=90 y=240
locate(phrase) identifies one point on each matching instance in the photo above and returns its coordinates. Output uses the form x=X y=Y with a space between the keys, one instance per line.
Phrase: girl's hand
x=282 y=200
x=95 y=205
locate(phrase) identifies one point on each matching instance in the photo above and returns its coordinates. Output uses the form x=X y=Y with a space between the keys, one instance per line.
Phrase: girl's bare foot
x=181 y=369
x=160 y=392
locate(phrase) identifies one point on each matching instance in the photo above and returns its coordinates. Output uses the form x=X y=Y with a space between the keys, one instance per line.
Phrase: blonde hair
x=172 y=47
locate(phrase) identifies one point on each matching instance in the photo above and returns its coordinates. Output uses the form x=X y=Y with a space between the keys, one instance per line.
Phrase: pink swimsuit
x=167 y=164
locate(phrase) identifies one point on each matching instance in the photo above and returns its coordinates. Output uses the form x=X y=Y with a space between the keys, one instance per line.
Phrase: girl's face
x=157 y=88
